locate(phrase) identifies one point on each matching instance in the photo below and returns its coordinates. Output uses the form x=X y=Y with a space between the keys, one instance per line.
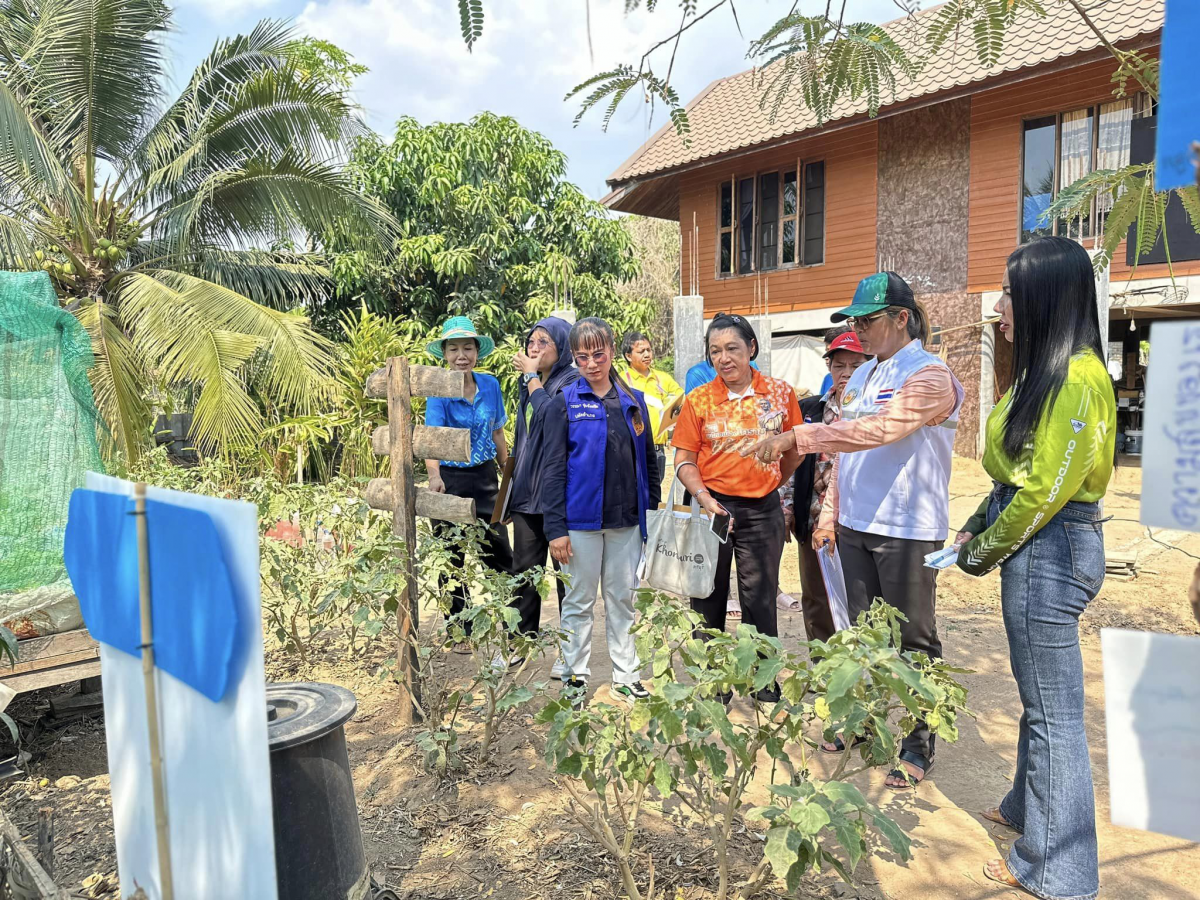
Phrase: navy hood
x=564 y=369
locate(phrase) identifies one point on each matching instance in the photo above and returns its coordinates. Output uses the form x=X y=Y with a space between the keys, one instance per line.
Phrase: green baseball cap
x=461 y=327
x=876 y=293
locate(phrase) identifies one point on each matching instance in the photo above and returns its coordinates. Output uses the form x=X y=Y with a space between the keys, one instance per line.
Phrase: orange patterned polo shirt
x=717 y=429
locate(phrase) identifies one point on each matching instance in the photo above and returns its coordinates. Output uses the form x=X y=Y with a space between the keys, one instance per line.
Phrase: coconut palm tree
x=144 y=211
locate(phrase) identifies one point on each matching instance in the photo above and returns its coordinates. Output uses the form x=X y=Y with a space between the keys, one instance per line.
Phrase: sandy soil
x=502 y=831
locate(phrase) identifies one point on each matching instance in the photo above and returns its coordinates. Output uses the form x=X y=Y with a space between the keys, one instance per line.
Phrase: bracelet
x=702 y=491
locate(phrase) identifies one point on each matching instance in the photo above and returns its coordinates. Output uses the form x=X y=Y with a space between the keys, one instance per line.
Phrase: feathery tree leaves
x=157 y=261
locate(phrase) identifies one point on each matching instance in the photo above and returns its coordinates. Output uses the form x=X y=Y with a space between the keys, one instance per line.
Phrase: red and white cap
x=847 y=341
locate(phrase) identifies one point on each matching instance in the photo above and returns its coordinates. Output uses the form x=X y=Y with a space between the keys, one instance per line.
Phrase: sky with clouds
x=532 y=52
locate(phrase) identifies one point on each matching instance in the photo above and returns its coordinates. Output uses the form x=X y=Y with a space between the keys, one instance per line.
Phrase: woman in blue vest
x=481 y=411
x=887 y=503
x=601 y=475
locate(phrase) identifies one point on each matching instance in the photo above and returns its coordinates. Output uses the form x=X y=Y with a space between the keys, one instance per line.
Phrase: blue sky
x=531 y=53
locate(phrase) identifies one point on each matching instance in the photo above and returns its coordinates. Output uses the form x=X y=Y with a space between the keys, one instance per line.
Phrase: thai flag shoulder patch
x=885 y=395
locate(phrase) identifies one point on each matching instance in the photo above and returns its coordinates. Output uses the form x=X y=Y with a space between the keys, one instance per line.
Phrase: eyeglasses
x=539 y=343
x=599 y=358
x=862 y=323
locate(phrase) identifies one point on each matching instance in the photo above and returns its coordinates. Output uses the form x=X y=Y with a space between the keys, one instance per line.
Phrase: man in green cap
x=887 y=505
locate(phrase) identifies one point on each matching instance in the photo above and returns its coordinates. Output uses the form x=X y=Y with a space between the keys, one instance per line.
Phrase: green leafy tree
x=489 y=227
x=143 y=208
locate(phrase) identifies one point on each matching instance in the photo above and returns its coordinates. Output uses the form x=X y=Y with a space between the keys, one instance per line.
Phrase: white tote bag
x=681 y=549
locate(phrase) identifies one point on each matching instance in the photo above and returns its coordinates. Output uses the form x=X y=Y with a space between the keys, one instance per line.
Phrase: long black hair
x=745 y=331
x=1053 y=290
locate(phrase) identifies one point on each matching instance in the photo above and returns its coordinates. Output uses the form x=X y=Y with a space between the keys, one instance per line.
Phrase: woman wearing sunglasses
x=601 y=475
x=888 y=501
x=545 y=367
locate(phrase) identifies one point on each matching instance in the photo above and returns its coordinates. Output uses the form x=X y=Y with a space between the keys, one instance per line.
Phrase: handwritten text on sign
x=1171 y=455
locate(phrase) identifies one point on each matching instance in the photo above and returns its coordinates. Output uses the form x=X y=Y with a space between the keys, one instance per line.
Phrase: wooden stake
x=161 y=824
x=404 y=523
x=45 y=839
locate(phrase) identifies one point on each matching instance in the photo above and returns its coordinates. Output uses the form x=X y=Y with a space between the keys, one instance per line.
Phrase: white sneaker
x=556 y=670
x=500 y=664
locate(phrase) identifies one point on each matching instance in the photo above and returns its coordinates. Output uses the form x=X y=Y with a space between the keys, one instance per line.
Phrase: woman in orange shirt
x=718 y=420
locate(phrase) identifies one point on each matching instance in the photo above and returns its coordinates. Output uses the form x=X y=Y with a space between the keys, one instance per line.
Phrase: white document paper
x=835 y=585
x=1171 y=440
x=1152 y=710
x=215 y=756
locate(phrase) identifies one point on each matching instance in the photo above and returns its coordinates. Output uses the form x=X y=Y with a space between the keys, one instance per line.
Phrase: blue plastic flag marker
x=192 y=602
x=1179 y=101
x=206 y=636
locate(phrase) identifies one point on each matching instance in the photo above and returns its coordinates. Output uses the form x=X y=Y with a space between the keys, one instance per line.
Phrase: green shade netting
x=47 y=443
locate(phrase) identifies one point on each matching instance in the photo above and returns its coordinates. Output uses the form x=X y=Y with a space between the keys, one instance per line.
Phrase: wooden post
x=400 y=441
x=404 y=523
x=45 y=839
x=157 y=778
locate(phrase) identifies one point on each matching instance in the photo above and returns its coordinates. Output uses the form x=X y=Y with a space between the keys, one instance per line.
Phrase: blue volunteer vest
x=587 y=436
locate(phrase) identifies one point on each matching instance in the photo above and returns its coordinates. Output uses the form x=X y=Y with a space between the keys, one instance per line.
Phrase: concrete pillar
x=689 y=334
x=762 y=329
x=1102 y=307
x=987 y=384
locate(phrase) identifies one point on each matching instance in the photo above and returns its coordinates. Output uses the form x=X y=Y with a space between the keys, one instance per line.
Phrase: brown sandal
x=993 y=814
x=1006 y=878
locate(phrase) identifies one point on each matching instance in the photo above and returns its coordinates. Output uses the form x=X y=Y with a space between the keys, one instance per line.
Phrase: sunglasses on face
x=537 y=344
x=600 y=357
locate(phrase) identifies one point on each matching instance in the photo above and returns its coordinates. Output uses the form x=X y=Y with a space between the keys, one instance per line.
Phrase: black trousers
x=530 y=550
x=481 y=485
x=814 y=601
x=757 y=543
x=894 y=569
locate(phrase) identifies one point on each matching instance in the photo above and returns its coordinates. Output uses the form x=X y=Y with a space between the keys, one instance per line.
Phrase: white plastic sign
x=1171 y=452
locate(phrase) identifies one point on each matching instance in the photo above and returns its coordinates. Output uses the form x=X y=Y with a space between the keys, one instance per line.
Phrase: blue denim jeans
x=1045 y=587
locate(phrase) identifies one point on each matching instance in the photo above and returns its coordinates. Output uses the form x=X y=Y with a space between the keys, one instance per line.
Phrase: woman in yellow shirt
x=659 y=388
x=1050 y=443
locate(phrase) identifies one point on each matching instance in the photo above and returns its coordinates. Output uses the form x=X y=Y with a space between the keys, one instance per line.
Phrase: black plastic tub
x=318 y=842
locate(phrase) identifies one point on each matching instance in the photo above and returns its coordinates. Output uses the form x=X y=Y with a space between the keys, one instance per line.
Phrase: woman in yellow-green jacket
x=1050 y=450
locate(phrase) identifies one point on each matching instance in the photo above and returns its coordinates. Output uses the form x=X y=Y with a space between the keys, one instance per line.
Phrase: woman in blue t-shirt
x=482 y=411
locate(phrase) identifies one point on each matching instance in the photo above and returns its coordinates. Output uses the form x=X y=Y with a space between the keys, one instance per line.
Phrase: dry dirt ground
x=503 y=831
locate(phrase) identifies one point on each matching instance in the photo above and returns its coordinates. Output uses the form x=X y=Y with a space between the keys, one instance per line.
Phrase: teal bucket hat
x=875 y=293
x=461 y=327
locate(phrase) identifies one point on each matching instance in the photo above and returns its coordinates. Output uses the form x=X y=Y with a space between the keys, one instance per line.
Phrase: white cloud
x=532 y=52
x=221 y=9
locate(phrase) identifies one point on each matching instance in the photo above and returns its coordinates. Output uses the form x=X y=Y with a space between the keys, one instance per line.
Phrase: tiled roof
x=727 y=116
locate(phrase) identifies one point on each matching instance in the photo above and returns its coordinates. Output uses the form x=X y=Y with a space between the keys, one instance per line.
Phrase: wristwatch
x=528 y=377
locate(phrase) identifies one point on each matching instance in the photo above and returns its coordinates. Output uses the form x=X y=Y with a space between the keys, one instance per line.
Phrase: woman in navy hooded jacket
x=601 y=476
x=545 y=366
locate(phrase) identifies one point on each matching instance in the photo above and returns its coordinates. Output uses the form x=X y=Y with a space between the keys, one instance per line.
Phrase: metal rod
x=161 y=824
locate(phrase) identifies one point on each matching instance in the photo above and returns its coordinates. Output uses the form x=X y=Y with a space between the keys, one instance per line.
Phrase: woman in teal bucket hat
x=481 y=410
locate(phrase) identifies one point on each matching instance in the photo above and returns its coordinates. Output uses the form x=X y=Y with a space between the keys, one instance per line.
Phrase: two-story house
x=941 y=185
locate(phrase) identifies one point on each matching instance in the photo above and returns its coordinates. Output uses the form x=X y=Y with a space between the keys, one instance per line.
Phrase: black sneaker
x=768 y=695
x=575 y=690
x=629 y=692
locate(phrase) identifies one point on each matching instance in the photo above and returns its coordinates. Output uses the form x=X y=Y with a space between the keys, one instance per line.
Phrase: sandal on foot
x=840 y=745
x=1005 y=877
x=993 y=814
x=910 y=781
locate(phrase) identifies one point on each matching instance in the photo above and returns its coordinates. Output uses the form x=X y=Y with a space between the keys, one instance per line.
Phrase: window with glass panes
x=1058 y=150
x=771 y=220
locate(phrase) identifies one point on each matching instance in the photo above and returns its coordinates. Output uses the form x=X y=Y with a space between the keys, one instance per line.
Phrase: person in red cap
x=804 y=494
